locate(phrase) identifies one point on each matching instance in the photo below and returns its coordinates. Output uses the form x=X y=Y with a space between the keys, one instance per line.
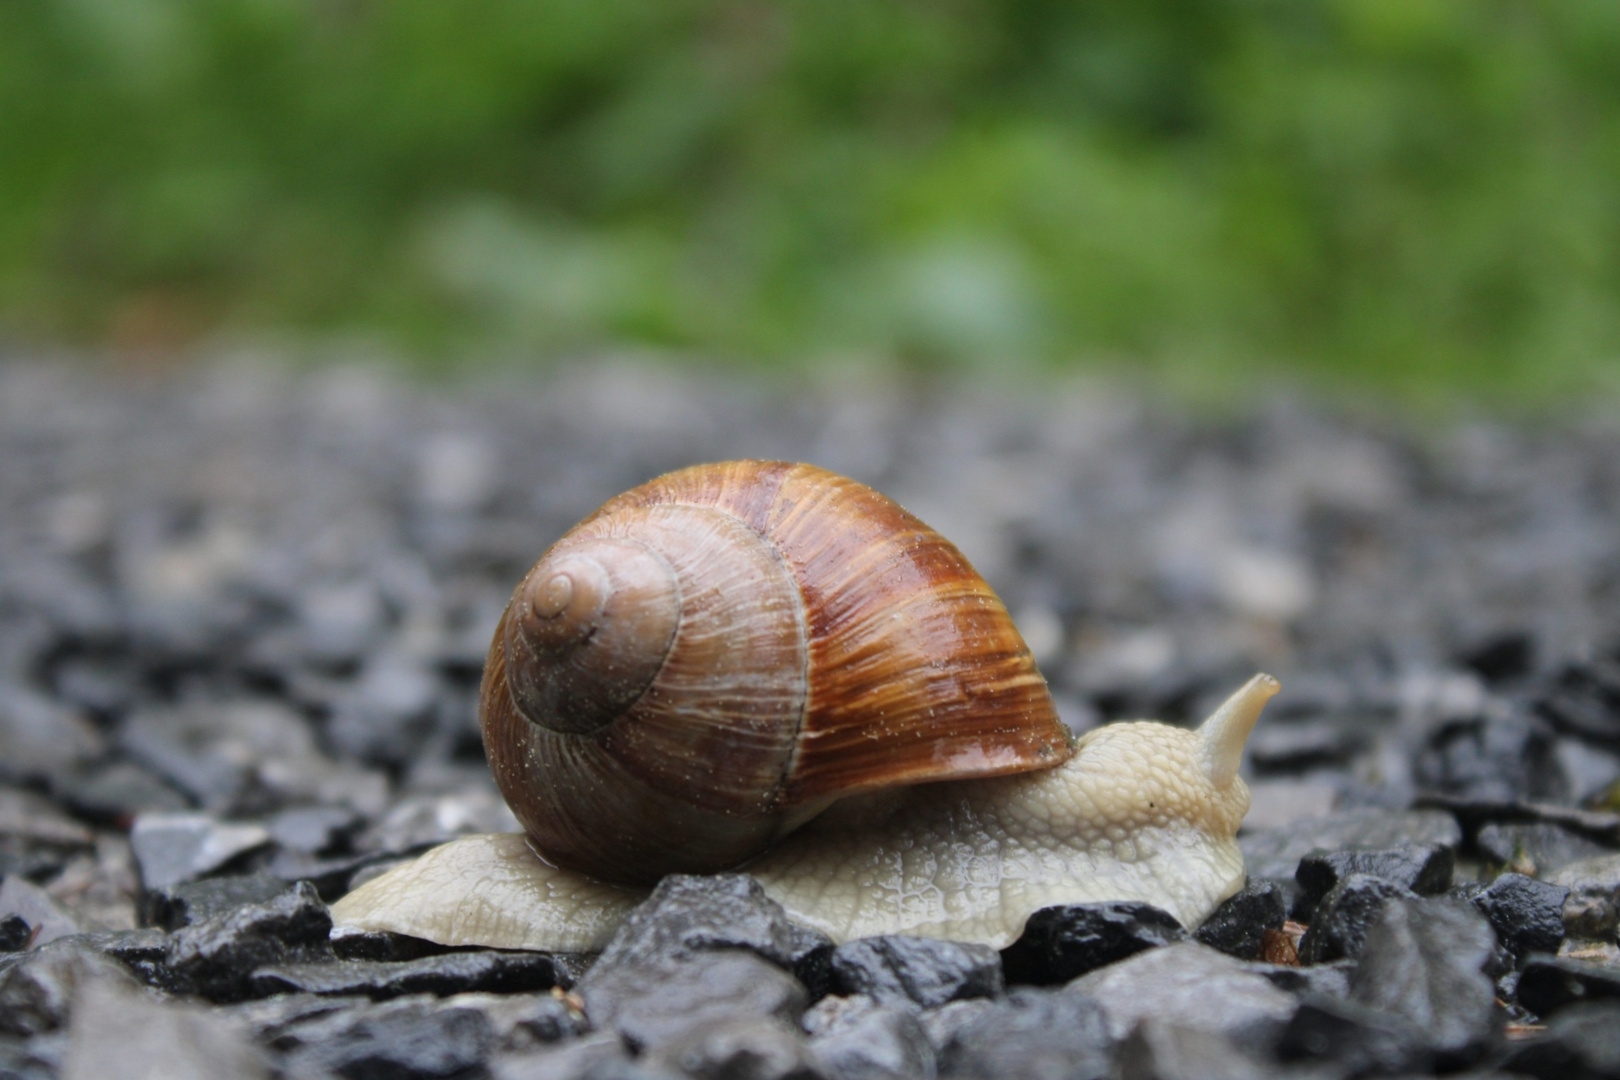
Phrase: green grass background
x=1416 y=196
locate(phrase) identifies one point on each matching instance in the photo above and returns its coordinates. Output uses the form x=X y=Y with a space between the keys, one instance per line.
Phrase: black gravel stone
x=174 y=848
x=449 y=973
x=878 y=1043
x=687 y=914
x=408 y=1039
x=1063 y=943
x=1424 y=961
x=636 y=1000
x=1423 y=869
x=216 y=958
x=1506 y=756
x=1238 y=926
x=739 y=1048
x=923 y=971
x=1354 y=1038
x=1584 y=700
x=599 y=1056
x=1581 y=1043
x=1031 y=1034
x=1527 y=915
x=145 y=953
x=173 y=906
x=1548 y=984
x=15 y=933
x=1276 y=852
x=1341 y=922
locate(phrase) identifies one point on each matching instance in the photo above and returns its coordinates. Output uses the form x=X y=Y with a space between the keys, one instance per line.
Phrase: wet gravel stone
x=1527 y=915
x=1505 y=756
x=1424 y=960
x=1549 y=984
x=37 y=990
x=1536 y=849
x=1062 y=943
x=1160 y=1051
x=1423 y=869
x=1031 y=1034
x=175 y=848
x=687 y=914
x=173 y=906
x=217 y=958
x=922 y=971
x=1341 y=922
x=405 y=1038
x=1355 y=1038
x=450 y=973
x=1581 y=1043
x=15 y=933
x=1238 y=926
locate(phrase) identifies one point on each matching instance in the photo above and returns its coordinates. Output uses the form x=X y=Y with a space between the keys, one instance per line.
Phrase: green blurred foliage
x=1410 y=193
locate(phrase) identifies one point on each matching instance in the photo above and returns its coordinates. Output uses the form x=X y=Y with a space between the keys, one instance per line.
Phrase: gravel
x=243 y=615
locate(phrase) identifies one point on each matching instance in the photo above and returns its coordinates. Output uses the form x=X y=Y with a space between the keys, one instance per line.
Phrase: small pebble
x=916 y=970
x=1063 y=943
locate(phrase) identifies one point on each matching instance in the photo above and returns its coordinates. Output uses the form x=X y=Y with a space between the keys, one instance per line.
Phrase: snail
x=766 y=666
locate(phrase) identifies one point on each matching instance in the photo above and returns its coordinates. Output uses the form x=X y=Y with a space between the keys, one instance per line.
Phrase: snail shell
x=708 y=661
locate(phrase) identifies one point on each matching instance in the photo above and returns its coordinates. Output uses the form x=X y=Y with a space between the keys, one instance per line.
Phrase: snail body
x=692 y=675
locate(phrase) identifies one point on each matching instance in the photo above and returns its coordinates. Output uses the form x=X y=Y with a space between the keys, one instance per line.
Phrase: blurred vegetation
x=1409 y=193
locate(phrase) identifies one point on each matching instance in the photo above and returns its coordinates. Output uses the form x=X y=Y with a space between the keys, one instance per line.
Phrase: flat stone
x=922 y=971
x=1527 y=915
x=173 y=906
x=1161 y=1051
x=313 y=830
x=47 y=920
x=1593 y=908
x=882 y=1042
x=1190 y=985
x=175 y=848
x=739 y=1048
x=32 y=819
x=1549 y=984
x=216 y=958
x=1031 y=1034
x=1424 y=961
x=1341 y=922
x=636 y=1000
x=1275 y=853
x=1238 y=926
x=408 y=1037
x=448 y=973
x=1063 y=943
x=118 y=1031
x=1535 y=849
x=1581 y=1043
x=1424 y=869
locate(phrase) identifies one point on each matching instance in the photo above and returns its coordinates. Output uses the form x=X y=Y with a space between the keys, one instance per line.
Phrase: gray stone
x=313 y=830
x=739 y=1048
x=637 y=1001
x=47 y=919
x=1535 y=849
x=922 y=971
x=1549 y=984
x=1275 y=853
x=523 y=1022
x=37 y=990
x=600 y=1056
x=449 y=973
x=1342 y=920
x=1425 y=869
x=1424 y=961
x=878 y=1043
x=1346 y=1035
x=1161 y=1051
x=173 y=906
x=1593 y=908
x=687 y=914
x=121 y=1032
x=1527 y=915
x=1031 y=1034
x=175 y=848
x=412 y=1037
x=1580 y=1043
x=1190 y=985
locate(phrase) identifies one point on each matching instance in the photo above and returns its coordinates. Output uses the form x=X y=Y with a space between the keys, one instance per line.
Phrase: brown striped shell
x=711 y=659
